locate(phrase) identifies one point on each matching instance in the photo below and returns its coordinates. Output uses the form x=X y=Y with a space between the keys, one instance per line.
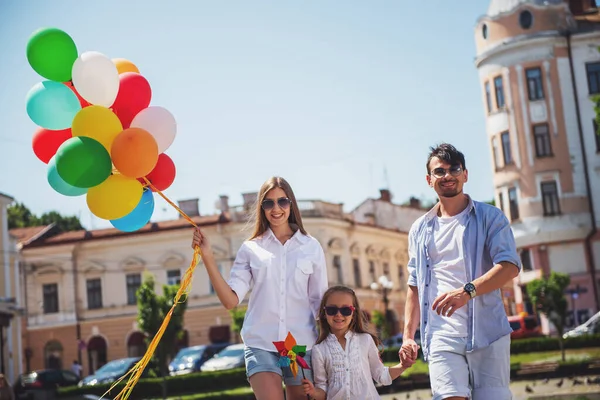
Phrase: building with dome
x=539 y=69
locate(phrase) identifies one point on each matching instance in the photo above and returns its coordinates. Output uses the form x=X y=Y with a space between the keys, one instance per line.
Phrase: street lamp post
x=384 y=286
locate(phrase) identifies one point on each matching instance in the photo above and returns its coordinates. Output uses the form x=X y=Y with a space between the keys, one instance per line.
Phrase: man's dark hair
x=447 y=153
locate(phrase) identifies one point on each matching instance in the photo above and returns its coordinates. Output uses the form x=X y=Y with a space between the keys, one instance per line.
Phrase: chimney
x=414 y=202
x=224 y=203
x=190 y=207
x=385 y=195
x=249 y=200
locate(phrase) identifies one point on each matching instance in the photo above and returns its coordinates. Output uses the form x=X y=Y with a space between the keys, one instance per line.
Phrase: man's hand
x=445 y=304
x=408 y=352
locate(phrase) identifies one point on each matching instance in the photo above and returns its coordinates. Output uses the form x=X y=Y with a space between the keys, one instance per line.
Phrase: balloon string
x=136 y=372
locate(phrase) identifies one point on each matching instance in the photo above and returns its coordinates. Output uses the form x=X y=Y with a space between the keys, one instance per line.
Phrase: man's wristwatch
x=470 y=289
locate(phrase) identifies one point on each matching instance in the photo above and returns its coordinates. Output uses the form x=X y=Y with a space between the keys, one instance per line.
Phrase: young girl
x=345 y=360
x=287 y=268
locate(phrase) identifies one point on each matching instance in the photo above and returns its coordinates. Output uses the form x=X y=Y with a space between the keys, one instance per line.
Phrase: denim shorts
x=258 y=360
x=483 y=374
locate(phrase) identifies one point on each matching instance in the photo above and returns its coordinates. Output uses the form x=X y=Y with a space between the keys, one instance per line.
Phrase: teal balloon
x=139 y=216
x=52 y=105
x=58 y=184
x=52 y=53
x=83 y=162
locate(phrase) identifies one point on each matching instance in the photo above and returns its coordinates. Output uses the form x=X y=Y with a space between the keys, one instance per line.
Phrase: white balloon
x=96 y=78
x=160 y=123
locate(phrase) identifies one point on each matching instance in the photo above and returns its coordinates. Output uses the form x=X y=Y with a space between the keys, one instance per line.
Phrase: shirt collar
x=434 y=210
x=298 y=235
x=347 y=335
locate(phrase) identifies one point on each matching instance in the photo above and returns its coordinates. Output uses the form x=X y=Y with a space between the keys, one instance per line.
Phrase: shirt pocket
x=304 y=269
x=260 y=268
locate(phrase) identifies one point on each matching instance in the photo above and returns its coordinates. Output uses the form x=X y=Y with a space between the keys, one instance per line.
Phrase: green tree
x=237 y=321
x=152 y=310
x=19 y=216
x=381 y=324
x=548 y=296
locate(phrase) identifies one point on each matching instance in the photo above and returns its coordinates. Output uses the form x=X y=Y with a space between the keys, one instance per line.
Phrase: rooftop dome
x=498 y=7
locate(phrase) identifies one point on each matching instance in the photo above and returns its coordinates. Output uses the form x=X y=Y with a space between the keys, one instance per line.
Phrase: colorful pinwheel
x=291 y=354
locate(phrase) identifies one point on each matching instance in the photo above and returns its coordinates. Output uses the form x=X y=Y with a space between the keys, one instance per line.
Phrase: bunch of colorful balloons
x=97 y=131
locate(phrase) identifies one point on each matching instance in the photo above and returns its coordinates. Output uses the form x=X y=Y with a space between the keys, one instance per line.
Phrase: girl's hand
x=309 y=388
x=201 y=241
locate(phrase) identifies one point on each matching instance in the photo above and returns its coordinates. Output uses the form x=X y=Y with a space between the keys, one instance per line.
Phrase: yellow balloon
x=98 y=123
x=124 y=65
x=115 y=197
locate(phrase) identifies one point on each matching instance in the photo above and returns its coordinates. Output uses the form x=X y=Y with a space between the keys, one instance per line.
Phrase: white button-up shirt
x=348 y=374
x=288 y=281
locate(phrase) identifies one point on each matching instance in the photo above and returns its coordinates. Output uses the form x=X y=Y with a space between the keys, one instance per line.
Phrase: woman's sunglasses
x=346 y=311
x=282 y=202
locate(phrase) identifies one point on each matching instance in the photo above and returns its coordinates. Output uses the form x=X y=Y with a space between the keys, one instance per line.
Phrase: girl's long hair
x=261 y=224
x=359 y=323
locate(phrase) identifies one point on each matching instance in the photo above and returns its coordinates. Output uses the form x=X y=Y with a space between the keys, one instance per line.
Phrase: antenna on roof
x=386 y=179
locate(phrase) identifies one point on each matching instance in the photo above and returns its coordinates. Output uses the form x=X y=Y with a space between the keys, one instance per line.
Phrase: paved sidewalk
x=524 y=390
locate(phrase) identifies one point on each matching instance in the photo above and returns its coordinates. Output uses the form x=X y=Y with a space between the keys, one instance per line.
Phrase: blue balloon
x=139 y=216
x=59 y=184
x=52 y=105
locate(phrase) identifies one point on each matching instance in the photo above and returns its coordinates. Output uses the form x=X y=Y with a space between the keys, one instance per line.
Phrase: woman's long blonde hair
x=261 y=224
x=359 y=323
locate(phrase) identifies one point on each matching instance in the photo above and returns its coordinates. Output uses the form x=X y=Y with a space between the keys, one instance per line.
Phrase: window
x=596 y=136
x=513 y=204
x=535 y=88
x=386 y=269
x=356 y=269
x=488 y=97
x=94 y=293
x=211 y=289
x=541 y=134
x=506 y=148
x=50 y=292
x=525 y=19
x=337 y=264
x=372 y=270
x=401 y=276
x=526 y=260
x=484 y=31
x=174 y=277
x=501 y=201
x=550 y=198
x=593 y=76
x=499 y=92
x=134 y=281
x=495 y=154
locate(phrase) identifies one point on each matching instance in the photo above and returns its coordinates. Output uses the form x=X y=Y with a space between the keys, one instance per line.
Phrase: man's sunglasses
x=441 y=172
x=282 y=202
x=346 y=311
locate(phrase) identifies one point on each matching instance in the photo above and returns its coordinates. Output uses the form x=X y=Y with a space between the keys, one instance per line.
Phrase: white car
x=228 y=358
x=589 y=327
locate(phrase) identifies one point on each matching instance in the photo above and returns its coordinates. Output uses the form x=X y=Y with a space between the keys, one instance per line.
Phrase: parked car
x=589 y=327
x=396 y=340
x=228 y=358
x=42 y=380
x=110 y=371
x=524 y=326
x=190 y=359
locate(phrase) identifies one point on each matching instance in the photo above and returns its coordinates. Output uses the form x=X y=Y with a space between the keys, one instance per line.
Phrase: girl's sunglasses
x=282 y=202
x=346 y=311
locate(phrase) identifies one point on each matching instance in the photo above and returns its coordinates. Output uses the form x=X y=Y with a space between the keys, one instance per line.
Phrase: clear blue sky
x=324 y=93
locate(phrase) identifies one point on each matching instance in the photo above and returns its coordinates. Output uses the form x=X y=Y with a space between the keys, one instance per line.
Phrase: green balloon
x=83 y=162
x=51 y=53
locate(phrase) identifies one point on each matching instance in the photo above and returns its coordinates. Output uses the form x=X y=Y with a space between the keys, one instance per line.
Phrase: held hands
x=447 y=303
x=408 y=353
x=309 y=388
x=202 y=241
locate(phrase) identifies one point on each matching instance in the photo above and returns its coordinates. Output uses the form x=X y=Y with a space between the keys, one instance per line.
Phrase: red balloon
x=163 y=174
x=81 y=99
x=45 y=142
x=134 y=95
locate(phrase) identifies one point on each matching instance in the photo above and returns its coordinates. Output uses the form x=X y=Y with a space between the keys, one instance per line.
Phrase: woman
x=6 y=392
x=287 y=269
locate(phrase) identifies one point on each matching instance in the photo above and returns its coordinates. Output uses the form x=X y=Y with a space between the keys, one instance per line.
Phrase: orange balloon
x=124 y=65
x=134 y=152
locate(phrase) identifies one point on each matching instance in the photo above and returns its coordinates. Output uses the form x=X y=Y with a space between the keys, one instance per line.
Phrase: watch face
x=469 y=287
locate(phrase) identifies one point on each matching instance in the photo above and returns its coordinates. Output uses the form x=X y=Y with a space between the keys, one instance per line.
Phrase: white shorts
x=483 y=374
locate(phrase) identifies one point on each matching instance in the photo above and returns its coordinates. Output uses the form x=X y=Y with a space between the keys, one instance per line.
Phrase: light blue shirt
x=487 y=241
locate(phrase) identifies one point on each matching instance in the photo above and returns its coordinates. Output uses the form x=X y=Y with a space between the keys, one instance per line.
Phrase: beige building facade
x=79 y=287
x=539 y=68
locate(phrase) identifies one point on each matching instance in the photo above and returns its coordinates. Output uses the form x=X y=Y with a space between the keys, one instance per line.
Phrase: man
x=460 y=254
x=76 y=368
